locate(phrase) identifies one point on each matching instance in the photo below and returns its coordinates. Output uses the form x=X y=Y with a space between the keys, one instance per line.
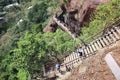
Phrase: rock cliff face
x=74 y=14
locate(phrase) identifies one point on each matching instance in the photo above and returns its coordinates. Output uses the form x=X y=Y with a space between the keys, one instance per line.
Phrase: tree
x=59 y=44
x=38 y=13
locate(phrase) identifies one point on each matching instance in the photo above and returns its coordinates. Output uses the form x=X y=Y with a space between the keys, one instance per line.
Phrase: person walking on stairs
x=57 y=67
x=80 y=51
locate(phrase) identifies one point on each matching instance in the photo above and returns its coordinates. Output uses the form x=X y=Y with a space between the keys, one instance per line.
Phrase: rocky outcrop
x=51 y=27
x=88 y=9
x=74 y=14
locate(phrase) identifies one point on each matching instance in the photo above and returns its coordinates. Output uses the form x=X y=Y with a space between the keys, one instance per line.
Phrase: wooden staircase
x=105 y=40
x=73 y=59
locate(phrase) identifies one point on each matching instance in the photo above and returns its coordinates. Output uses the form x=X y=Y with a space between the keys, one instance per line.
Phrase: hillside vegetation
x=25 y=48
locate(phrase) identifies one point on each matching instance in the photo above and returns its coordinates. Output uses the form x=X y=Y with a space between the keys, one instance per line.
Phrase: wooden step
x=74 y=57
x=98 y=42
x=117 y=29
x=108 y=38
x=105 y=41
x=115 y=33
x=102 y=42
x=77 y=56
x=67 y=59
x=71 y=58
x=112 y=36
x=91 y=49
x=96 y=45
x=93 y=46
x=88 y=50
x=86 y=53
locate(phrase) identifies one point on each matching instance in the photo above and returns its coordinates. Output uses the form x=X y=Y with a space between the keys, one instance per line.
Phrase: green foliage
x=25 y=48
x=38 y=13
x=60 y=43
x=22 y=74
x=106 y=14
x=66 y=1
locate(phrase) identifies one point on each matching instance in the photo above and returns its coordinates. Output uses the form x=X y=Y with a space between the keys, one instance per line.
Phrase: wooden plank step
x=117 y=29
x=108 y=38
x=74 y=57
x=93 y=46
x=102 y=42
x=88 y=50
x=91 y=49
x=115 y=33
x=96 y=45
x=106 y=42
x=98 y=42
x=67 y=59
x=112 y=36
x=77 y=56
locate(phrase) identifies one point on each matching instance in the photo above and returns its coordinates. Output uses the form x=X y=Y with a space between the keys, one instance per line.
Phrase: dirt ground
x=95 y=67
